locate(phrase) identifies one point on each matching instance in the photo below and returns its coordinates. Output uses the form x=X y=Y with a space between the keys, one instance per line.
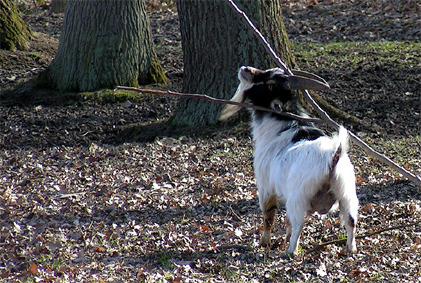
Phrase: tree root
x=342 y=115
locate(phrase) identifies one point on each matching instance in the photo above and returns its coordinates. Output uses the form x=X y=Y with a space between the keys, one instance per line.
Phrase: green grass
x=341 y=236
x=113 y=96
x=164 y=260
x=103 y=96
x=351 y=54
x=405 y=151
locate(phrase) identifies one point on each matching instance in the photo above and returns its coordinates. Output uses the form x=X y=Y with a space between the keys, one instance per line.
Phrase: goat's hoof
x=265 y=240
x=346 y=251
x=264 y=243
x=353 y=250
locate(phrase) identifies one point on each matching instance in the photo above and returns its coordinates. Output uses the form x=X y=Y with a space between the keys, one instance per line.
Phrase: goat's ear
x=303 y=80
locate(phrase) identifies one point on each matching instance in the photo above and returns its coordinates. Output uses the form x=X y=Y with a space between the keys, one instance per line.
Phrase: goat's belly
x=322 y=202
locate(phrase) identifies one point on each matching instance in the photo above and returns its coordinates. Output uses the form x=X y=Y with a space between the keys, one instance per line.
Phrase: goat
x=295 y=162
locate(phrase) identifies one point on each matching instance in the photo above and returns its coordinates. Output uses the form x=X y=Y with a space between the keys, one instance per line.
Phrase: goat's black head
x=270 y=88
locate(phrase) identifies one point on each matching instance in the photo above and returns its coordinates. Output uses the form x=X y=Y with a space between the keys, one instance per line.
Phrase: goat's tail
x=341 y=147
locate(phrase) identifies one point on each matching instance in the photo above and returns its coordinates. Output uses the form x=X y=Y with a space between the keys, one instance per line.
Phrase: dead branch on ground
x=340 y=241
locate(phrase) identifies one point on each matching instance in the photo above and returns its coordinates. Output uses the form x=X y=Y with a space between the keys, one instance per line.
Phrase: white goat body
x=295 y=162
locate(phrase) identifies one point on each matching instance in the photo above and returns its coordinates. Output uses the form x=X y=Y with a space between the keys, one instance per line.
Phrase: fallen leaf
x=99 y=249
x=367 y=207
x=204 y=227
x=33 y=269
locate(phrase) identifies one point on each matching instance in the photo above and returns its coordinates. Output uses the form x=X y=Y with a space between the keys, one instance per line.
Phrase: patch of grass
x=113 y=96
x=341 y=236
x=352 y=54
x=300 y=249
x=185 y=220
x=164 y=260
x=405 y=151
x=34 y=96
x=234 y=274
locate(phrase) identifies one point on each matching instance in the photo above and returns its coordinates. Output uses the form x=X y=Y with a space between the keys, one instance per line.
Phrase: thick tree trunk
x=104 y=43
x=216 y=43
x=14 y=33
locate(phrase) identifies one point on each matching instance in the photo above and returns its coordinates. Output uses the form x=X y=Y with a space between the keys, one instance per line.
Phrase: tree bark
x=216 y=43
x=104 y=43
x=14 y=33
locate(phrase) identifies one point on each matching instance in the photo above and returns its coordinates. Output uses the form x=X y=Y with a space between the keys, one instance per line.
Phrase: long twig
x=265 y=43
x=221 y=101
x=371 y=152
x=339 y=241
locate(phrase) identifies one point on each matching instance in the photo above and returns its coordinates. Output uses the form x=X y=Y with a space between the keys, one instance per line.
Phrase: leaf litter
x=77 y=204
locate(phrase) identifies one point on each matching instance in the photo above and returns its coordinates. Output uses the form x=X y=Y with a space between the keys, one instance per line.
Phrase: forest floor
x=82 y=201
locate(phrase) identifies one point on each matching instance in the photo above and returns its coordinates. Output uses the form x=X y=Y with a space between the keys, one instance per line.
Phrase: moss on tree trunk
x=14 y=32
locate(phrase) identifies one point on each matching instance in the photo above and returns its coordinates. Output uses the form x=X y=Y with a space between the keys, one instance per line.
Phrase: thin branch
x=265 y=43
x=385 y=160
x=221 y=101
x=380 y=157
x=339 y=241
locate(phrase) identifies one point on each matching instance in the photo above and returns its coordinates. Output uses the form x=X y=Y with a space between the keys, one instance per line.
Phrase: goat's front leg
x=269 y=210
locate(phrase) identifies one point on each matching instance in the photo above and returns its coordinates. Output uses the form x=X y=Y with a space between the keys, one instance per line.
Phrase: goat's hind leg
x=294 y=226
x=269 y=208
x=349 y=216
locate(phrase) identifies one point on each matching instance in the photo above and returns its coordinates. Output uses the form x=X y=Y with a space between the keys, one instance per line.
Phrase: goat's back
x=299 y=168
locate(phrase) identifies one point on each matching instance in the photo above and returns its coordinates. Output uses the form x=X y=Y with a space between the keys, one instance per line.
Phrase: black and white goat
x=294 y=161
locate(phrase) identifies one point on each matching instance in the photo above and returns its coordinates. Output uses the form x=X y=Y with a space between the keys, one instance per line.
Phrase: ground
x=97 y=187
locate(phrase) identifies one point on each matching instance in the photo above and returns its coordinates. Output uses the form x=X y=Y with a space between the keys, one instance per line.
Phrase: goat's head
x=270 y=88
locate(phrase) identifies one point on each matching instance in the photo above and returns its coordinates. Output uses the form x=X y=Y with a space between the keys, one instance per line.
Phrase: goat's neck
x=267 y=128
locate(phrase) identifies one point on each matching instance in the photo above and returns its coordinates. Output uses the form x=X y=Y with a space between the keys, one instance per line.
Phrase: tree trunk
x=14 y=33
x=216 y=43
x=104 y=43
x=58 y=6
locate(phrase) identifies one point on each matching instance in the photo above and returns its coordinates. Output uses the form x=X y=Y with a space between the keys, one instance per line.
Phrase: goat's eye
x=270 y=84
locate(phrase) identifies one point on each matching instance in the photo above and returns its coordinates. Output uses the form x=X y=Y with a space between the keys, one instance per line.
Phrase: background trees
x=14 y=33
x=216 y=42
x=104 y=44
